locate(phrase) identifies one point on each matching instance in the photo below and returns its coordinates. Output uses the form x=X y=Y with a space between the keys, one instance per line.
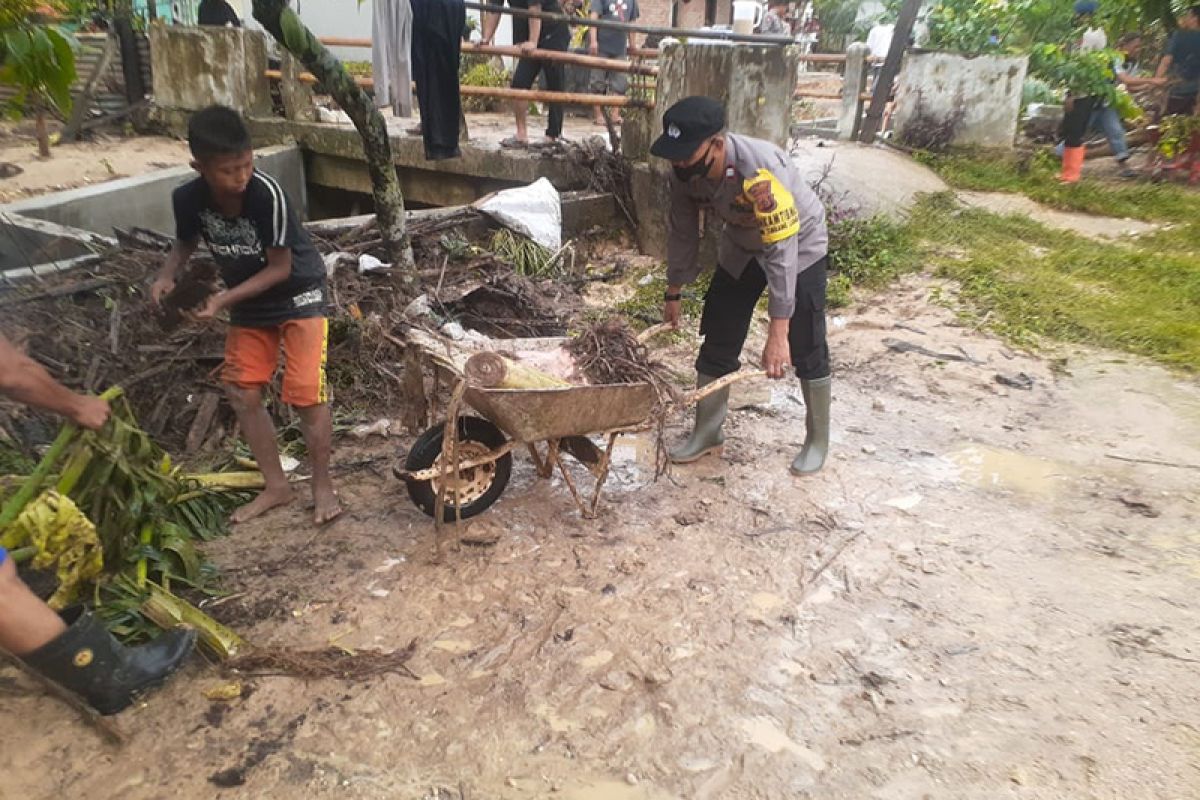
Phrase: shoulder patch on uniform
x=774 y=206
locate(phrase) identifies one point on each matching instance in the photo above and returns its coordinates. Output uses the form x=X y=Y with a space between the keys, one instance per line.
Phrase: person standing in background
x=610 y=43
x=530 y=33
x=774 y=21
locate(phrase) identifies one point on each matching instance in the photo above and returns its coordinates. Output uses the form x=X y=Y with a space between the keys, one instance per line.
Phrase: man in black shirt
x=529 y=33
x=275 y=293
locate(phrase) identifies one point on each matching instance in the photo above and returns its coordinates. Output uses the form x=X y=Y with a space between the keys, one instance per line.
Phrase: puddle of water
x=632 y=460
x=764 y=732
x=995 y=468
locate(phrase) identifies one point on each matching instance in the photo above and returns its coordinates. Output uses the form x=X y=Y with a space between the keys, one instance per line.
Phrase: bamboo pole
x=595 y=62
x=533 y=95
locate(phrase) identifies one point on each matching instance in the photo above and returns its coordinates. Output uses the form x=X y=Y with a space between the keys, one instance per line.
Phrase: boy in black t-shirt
x=275 y=295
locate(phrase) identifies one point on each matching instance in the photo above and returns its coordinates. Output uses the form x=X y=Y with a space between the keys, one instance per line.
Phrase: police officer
x=774 y=239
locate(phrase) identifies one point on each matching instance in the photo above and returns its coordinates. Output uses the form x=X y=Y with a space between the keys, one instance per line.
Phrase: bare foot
x=326 y=506
x=266 y=500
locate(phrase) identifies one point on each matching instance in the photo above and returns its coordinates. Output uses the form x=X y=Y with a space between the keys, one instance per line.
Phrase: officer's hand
x=777 y=356
x=672 y=309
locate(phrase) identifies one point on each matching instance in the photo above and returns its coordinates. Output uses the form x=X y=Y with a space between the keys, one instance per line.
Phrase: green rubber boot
x=706 y=435
x=816 y=423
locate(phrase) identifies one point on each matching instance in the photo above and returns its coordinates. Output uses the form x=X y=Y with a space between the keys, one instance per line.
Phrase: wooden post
x=131 y=60
x=891 y=66
x=853 y=85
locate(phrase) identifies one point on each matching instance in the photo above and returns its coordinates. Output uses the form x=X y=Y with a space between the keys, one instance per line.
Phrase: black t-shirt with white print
x=239 y=246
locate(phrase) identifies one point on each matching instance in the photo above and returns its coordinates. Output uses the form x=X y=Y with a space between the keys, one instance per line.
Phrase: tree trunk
x=283 y=24
x=43 y=138
x=131 y=62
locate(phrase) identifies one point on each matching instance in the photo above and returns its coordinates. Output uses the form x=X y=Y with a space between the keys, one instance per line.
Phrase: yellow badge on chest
x=774 y=207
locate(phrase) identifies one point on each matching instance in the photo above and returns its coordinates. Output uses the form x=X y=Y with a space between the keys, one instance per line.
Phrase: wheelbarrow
x=460 y=476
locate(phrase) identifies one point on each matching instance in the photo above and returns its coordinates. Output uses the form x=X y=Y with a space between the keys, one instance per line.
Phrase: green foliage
x=1177 y=131
x=480 y=71
x=869 y=252
x=837 y=22
x=529 y=258
x=1028 y=282
x=39 y=61
x=646 y=305
x=1079 y=74
x=966 y=26
x=1036 y=90
x=1036 y=176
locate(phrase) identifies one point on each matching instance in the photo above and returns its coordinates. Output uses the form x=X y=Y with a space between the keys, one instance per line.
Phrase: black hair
x=1194 y=11
x=1132 y=36
x=217 y=131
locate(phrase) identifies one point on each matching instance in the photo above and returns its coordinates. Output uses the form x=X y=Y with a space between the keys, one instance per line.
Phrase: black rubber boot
x=87 y=660
x=706 y=435
x=817 y=398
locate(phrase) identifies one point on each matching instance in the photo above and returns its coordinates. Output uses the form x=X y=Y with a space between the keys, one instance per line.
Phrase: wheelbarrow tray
x=531 y=415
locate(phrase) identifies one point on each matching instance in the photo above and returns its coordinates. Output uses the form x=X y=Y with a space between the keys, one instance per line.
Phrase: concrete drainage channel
x=69 y=229
x=65 y=230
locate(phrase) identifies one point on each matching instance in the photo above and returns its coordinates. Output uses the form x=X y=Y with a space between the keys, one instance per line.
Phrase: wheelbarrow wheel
x=477 y=487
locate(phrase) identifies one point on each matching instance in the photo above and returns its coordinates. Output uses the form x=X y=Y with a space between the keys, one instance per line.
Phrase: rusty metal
x=532 y=415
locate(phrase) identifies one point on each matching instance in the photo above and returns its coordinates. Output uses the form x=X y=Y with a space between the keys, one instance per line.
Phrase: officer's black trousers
x=729 y=305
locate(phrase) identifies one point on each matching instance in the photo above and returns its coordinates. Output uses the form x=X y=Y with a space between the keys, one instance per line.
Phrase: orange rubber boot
x=1072 y=164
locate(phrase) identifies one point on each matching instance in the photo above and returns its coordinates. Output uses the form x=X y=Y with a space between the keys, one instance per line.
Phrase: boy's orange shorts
x=252 y=354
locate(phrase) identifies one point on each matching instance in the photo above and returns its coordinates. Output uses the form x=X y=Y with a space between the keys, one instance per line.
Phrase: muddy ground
x=974 y=599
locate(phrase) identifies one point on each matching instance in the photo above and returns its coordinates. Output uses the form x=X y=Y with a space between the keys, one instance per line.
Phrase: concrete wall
x=195 y=67
x=987 y=90
x=145 y=201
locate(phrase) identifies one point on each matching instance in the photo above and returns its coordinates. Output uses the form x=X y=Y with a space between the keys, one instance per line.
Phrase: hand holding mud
x=161 y=287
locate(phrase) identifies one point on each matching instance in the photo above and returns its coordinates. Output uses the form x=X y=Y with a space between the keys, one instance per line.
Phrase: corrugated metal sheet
x=110 y=90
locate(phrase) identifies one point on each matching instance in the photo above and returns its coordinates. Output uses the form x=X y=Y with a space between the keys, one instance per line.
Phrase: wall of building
x=985 y=91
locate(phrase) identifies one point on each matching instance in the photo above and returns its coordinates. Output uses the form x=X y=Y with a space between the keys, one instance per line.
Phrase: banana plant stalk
x=167 y=611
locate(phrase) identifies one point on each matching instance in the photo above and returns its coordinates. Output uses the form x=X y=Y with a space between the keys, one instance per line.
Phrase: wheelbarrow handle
x=722 y=383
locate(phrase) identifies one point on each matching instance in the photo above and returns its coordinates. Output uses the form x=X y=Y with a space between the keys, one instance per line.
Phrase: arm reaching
x=27 y=381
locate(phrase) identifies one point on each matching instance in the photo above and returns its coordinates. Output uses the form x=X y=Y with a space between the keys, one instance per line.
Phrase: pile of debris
x=94 y=327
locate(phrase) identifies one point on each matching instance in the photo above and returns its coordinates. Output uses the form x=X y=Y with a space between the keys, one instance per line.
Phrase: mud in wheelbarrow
x=557 y=419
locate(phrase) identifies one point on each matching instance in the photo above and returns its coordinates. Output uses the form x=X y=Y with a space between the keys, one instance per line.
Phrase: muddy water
x=997 y=468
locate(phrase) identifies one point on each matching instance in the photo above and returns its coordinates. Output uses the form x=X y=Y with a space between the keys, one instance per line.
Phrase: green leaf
x=174 y=540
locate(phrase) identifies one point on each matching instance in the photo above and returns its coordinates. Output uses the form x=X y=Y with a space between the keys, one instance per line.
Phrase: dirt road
x=972 y=601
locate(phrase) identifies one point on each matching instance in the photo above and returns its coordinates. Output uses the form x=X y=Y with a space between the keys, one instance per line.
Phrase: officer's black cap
x=686 y=125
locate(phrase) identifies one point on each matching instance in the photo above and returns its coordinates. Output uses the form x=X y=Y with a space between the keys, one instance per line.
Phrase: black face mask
x=697 y=169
